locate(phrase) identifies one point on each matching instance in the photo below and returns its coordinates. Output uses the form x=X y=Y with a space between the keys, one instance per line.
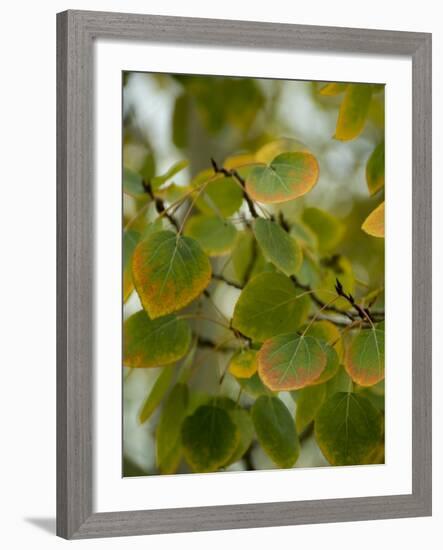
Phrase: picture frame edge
x=76 y=31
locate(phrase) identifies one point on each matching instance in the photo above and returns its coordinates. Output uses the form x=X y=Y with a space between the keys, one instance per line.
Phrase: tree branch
x=159 y=205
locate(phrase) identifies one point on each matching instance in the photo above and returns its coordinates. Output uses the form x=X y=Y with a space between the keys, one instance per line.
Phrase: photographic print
x=253 y=274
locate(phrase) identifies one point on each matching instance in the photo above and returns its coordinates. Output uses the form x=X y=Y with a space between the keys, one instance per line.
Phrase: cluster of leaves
x=295 y=326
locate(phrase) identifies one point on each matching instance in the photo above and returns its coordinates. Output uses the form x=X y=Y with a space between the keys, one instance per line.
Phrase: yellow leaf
x=374 y=224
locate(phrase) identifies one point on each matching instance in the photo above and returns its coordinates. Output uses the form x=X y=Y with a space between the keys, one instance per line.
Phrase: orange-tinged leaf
x=290 y=175
x=365 y=356
x=290 y=362
x=353 y=111
x=169 y=271
x=374 y=224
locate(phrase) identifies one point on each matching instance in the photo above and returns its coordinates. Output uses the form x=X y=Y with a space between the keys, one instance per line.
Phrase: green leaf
x=272 y=149
x=243 y=255
x=333 y=88
x=180 y=121
x=215 y=235
x=152 y=343
x=242 y=419
x=278 y=246
x=253 y=386
x=169 y=271
x=168 y=434
x=333 y=268
x=353 y=111
x=290 y=361
x=209 y=438
x=348 y=429
x=243 y=363
x=133 y=183
x=309 y=401
x=365 y=356
x=375 y=169
x=374 y=224
x=290 y=175
x=155 y=396
x=329 y=338
x=269 y=305
x=329 y=230
x=275 y=430
x=130 y=240
x=221 y=196
x=157 y=181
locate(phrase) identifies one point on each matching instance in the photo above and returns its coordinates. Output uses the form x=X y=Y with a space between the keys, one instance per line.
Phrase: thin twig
x=234 y=174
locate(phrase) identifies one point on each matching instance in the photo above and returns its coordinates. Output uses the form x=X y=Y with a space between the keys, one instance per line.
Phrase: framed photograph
x=244 y=274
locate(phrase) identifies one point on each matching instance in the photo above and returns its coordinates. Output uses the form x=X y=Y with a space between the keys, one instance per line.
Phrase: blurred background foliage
x=173 y=118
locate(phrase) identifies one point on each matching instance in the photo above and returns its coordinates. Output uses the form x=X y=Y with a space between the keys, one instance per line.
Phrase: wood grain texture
x=76 y=31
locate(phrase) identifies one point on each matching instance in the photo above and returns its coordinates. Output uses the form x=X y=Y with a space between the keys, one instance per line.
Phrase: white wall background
x=27 y=176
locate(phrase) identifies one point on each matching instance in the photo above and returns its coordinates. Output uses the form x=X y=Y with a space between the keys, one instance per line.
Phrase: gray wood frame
x=76 y=32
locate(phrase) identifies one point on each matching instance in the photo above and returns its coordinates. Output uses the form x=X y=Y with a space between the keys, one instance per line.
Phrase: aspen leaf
x=328 y=229
x=333 y=88
x=268 y=305
x=309 y=401
x=209 y=438
x=243 y=363
x=275 y=430
x=348 y=429
x=290 y=361
x=365 y=356
x=278 y=246
x=169 y=271
x=157 y=393
x=215 y=235
x=288 y=176
x=374 y=224
x=168 y=434
x=375 y=169
x=353 y=111
x=154 y=342
x=157 y=181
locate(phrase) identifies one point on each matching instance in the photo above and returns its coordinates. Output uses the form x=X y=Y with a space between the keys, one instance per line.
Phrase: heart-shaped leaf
x=365 y=356
x=290 y=175
x=270 y=150
x=221 y=195
x=278 y=246
x=269 y=305
x=168 y=434
x=243 y=363
x=348 y=429
x=152 y=343
x=353 y=111
x=374 y=224
x=290 y=362
x=375 y=169
x=275 y=430
x=209 y=438
x=215 y=235
x=169 y=271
